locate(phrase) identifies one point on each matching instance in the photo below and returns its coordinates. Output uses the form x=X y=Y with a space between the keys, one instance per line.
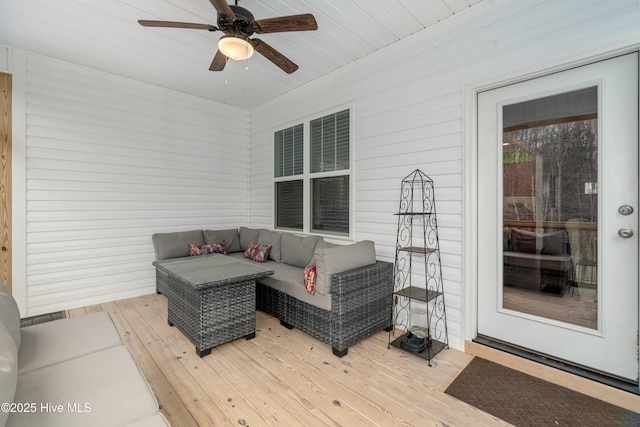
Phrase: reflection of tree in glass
x=547 y=170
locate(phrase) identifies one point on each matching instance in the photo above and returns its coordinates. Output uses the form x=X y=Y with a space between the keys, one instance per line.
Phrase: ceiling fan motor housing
x=240 y=25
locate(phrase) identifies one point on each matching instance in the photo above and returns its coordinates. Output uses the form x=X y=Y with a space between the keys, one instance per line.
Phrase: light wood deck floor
x=285 y=377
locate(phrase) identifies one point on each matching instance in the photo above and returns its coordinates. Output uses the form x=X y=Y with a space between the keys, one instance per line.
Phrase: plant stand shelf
x=419 y=315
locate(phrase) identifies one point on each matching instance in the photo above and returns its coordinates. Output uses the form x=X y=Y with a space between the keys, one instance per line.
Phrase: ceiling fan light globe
x=235 y=48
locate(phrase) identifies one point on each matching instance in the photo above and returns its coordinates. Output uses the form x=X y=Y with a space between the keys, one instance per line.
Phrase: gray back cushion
x=322 y=244
x=297 y=250
x=231 y=239
x=248 y=235
x=176 y=244
x=272 y=238
x=341 y=258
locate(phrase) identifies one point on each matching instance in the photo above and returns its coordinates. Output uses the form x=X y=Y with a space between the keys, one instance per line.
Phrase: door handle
x=625 y=210
x=625 y=232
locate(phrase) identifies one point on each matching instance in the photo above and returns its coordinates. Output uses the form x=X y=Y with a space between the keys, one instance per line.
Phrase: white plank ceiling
x=105 y=35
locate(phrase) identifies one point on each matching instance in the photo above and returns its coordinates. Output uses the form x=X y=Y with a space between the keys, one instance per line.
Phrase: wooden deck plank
x=231 y=404
x=170 y=403
x=156 y=336
x=308 y=381
x=93 y=308
x=76 y=312
x=288 y=378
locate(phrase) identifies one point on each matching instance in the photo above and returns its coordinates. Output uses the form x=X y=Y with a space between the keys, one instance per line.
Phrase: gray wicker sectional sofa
x=353 y=294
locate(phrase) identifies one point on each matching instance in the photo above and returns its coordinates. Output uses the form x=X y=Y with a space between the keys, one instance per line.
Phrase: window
x=312 y=175
x=288 y=151
x=288 y=162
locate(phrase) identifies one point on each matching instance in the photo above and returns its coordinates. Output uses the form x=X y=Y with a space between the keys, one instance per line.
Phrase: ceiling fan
x=238 y=24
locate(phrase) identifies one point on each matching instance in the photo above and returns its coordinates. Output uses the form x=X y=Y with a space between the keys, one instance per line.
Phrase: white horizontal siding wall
x=109 y=162
x=409 y=104
x=4 y=59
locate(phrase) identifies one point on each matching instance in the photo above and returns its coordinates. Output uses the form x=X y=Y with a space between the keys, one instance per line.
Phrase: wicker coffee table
x=212 y=298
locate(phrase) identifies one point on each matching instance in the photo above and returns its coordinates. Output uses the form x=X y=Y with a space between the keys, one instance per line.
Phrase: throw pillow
x=218 y=248
x=310 y=273
x=230 y=237
x=206 y=248
x=257 y=252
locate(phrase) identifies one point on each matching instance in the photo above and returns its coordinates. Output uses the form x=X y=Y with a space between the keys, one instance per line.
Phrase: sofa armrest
x=363 y=282
x=361 y=303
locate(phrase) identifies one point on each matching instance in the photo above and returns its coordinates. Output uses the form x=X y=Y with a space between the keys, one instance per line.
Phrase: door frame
x=17 y=67
x=6 y=96
x=470 y=247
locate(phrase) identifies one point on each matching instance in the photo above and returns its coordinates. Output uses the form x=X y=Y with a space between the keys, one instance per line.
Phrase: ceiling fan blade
x=304 y=22
x=274 y=56
x=171 y=24
x=222 y=7
x=219 y=61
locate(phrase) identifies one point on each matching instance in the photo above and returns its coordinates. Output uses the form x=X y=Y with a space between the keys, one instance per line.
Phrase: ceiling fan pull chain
x=246 y=65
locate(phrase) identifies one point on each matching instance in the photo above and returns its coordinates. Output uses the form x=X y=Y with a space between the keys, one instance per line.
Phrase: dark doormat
x=523 y=400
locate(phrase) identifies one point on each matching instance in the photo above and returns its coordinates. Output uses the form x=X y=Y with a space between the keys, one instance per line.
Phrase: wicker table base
x=212 y=299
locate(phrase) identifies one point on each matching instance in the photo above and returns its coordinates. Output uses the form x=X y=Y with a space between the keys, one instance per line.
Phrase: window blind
x=329 y=138
x=288 y=153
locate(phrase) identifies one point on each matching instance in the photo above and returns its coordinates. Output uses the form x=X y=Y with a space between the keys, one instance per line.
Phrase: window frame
x=307 y=176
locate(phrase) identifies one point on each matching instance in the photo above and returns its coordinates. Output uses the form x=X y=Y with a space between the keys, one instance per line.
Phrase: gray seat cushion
x=53 y=342
x=299 y=292
x=290 y=280
x=155 y=420
x=109 y=381
x=287 y=273
x=272 y=281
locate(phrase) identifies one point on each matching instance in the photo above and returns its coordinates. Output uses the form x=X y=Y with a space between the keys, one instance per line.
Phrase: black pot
x=414 y=344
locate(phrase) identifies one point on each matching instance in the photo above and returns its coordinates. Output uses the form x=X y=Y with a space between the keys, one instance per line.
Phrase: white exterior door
x=558 y=215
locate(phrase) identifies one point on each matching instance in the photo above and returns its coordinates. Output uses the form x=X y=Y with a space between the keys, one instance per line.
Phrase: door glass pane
x=550 y=207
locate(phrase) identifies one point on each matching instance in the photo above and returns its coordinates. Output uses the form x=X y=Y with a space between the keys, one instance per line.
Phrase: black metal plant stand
x=420 y=319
